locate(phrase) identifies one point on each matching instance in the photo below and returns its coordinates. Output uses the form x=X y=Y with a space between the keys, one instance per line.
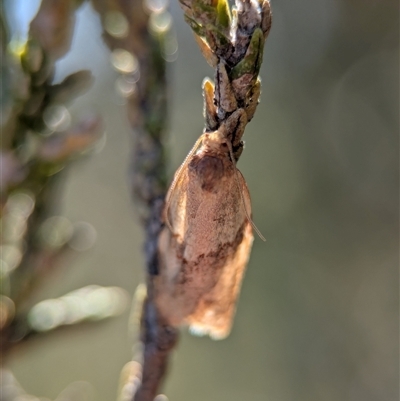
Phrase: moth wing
x=215 y=311
x=176 y=201
x=176 y=193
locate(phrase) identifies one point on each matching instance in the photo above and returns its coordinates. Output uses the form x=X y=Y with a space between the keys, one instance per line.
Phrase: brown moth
x=206 y=242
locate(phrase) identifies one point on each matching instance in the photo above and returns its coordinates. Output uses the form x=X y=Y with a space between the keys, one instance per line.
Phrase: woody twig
x=140 y=41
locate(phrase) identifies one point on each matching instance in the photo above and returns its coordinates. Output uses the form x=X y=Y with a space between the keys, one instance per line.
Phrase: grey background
x=318 y=313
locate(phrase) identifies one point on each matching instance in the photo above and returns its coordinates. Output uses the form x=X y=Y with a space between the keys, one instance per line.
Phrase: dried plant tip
x=224 y=95
x=210 y=112
x=208 y=54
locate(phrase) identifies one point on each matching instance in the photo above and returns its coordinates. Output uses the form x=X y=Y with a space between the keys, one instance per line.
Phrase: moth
x=205 y=244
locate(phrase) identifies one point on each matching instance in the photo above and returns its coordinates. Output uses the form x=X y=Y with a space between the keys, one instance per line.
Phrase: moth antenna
x=176 y=178
x=241 y=194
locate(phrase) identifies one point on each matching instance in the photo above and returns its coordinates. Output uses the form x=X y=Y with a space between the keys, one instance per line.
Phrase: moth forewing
x=215 y=311
x=204 y=252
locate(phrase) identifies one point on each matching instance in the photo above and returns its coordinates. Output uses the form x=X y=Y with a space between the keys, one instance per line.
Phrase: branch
x=129 y=33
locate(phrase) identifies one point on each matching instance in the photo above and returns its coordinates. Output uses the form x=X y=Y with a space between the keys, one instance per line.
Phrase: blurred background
x=318 y=314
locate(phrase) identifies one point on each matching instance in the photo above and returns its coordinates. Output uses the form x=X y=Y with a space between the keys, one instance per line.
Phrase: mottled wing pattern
x=215 y=310
x=206 y=255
